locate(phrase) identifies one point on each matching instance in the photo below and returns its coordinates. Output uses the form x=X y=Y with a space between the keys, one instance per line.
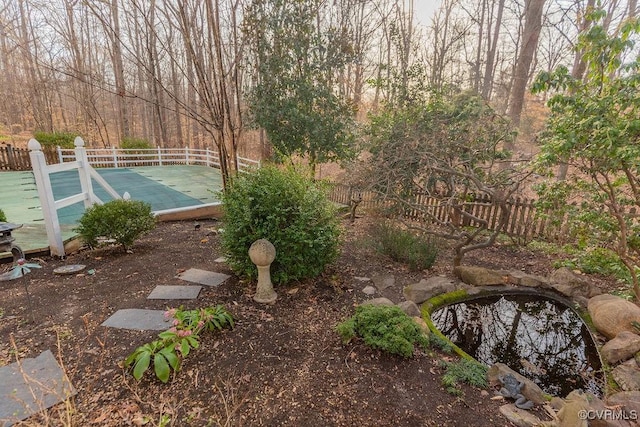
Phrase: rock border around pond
x=605 y=314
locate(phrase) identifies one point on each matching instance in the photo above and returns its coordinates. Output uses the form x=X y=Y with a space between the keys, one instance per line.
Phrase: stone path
x=30 y=386
x=203 y=277
x=175 y=292
x=153 y=320
x=39 y=383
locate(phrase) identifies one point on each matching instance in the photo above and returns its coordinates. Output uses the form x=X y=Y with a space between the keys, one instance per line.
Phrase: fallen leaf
x=292 y=291
x=205 y=240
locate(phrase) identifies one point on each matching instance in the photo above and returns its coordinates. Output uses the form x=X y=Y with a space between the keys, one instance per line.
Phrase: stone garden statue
x=262 y=253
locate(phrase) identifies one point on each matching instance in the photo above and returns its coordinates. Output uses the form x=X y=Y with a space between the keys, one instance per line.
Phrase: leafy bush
x=130 y=143
x=387 y=328
x=52 y=139
x=121 y=220
x=464 y=370
x=418 y=252
x=3 y=217
x=177 y=342
x=286 y=208
x=598 y=261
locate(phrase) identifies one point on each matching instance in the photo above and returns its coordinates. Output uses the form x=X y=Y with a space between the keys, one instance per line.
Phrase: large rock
x=571 y=414
x=479 y=276
x=383 y=281
x=379 y=301
x=530 y=390
x=627 y=375
x=622 y=347
x=570 y=284
x=520 y=278
x=611 y=314
x=410 y=308
x=519 y=417
x=627 y=401
x=428 y=288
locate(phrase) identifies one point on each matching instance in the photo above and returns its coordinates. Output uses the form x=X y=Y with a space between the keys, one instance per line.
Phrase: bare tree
x=531 y=33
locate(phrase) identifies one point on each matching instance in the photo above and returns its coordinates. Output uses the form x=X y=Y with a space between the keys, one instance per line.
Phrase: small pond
x=539 y=337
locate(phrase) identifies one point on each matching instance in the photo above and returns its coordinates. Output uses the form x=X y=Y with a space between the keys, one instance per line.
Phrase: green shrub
x=286 y=208
x=3 y=217
x=464 y=370
x=121 y=220
x=387 y=328
x=53 y=139
x=130 y=143
x=597 y=261
x=418 y=252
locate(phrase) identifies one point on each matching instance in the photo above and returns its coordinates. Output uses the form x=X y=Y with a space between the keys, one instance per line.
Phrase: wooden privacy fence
x=17 y=159
x=524 y=221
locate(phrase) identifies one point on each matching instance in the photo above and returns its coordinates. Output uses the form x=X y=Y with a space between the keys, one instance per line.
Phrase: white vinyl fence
x=119 y=157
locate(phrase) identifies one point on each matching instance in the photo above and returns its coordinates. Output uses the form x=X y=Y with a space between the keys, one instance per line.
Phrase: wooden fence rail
x=524 y=223
x=17 y=159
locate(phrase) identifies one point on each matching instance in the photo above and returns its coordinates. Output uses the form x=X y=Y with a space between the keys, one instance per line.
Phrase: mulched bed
x=282 y=364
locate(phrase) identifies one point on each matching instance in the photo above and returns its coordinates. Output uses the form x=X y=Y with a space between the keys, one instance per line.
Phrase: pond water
x=540 y=338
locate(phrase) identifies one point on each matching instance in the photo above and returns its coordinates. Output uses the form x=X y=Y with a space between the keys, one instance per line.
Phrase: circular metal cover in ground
x=69 y=269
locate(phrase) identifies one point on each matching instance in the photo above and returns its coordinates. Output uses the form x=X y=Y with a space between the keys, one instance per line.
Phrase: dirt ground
x=282 y=364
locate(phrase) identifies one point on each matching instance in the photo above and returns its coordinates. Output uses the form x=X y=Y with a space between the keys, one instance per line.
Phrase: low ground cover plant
x=3 y=217
x=123 y=221
x=174 y=344
x=418 y=252
x=387 y=328
x=464 y=370
x=289 y=209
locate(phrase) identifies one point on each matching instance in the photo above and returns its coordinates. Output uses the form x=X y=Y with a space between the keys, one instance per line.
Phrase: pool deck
x=164 y=187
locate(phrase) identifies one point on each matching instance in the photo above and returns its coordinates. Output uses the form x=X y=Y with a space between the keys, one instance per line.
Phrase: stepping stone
x=221 y=259
x=69 y=269
x=203 y=277
x=138 y=319
x=175 y=292
x=38 y=384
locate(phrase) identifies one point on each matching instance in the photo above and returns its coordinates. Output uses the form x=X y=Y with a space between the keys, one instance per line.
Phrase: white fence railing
x=119 y=157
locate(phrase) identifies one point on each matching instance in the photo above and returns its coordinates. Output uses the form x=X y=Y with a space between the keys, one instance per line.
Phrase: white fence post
x=83 y=172
x=45 y=192
x=208 y=154
x=59 y=151
x=115 y=156
x=186 y=154
x=159 y=156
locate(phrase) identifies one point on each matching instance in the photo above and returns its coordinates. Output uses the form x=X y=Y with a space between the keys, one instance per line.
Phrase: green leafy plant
x=418 y=252
x=177 y=342
x=53 y=139
x=594 y=128
x=124 y=221
x=387 y=328
x=3 y=217
x=294 y=100
x=131 y=143
x=598 y=261
x=288 y=209
x=440 y=342
x=464 y=370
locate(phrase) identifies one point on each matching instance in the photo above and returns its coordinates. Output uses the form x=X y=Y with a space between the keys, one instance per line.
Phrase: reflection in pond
x=540 y=338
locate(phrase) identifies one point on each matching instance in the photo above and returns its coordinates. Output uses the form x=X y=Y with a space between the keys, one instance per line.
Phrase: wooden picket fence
x=525 y=221
x=17 y=159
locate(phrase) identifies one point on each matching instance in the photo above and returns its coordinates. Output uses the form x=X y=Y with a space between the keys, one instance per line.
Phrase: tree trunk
x=577 y=72
x=530 y=35
x=487 y=84
x=118 y=74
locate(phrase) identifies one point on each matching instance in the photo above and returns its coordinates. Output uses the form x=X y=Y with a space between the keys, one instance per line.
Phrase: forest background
x=180 y=73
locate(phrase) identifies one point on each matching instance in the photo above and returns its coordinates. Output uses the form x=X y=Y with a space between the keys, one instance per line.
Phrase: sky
x=424 y=10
